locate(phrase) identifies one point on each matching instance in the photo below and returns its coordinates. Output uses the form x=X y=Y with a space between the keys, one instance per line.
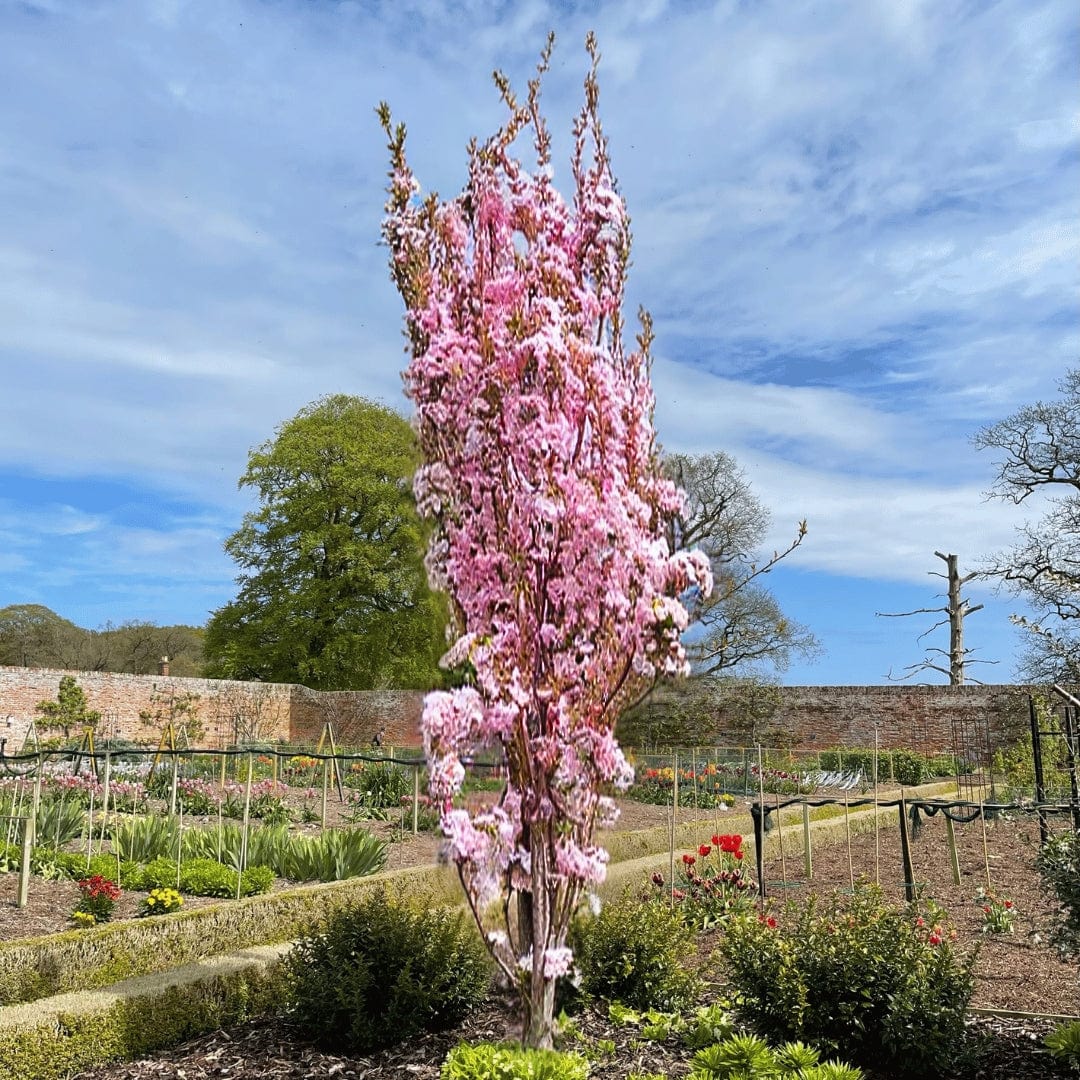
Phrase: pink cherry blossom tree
x=541 y=476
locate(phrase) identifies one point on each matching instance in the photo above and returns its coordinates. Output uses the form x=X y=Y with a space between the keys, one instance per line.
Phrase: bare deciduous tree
x=955 y=609
x=1040 y=453
x=742 y=627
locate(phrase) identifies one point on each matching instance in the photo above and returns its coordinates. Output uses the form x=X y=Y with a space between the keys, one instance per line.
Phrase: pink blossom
x=548 y=505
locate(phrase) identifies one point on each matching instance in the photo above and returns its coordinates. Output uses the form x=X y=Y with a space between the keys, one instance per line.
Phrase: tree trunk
x=956 y=623
x=540 y=1019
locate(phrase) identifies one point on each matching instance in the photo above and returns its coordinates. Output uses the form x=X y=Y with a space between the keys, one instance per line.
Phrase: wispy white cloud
x=855 y=226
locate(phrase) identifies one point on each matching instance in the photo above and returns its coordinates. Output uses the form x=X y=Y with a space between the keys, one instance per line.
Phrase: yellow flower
x=151 y=900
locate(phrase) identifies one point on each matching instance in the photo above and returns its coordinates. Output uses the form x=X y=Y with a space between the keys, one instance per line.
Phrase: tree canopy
x=332 y=590
x=1039 y=453
x=32 y=635
x=741 y=627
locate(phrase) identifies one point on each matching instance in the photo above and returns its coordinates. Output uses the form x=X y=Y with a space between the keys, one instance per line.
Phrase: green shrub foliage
x=333 y=855
x=146 y=837
x=205 y=877
x=59 y=822
x=381 y=783
x=75 y=865
x=635 y=952
x=486 y=1061
x=1063 y=1043
x=1059 y=867
x=381 y=972
x=749 y=1057
x=882 y=986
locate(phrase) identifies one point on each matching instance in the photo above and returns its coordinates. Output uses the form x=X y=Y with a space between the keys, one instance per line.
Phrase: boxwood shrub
x=382 y=971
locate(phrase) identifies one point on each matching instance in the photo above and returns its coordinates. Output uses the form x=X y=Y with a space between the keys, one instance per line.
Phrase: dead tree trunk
x=955 y=610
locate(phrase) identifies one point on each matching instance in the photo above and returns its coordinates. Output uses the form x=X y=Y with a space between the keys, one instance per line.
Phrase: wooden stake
x=986 y=847
x=24 y=863
x=90 y=830
x=105 y=800
x=808 y=858
x=954 y=859
x=37 y=795
x=179 y=844
x=905 y=853
x=760 y=844
x=780 y=839
x=325 y=789
x=416 y=801
x=877 y=820
x=247 y=826
x=847 y=836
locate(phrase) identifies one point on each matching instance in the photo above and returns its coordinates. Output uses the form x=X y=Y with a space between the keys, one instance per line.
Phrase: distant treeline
x=34 y=636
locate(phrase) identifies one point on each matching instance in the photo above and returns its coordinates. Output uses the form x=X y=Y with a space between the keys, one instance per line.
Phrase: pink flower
x=549 y=509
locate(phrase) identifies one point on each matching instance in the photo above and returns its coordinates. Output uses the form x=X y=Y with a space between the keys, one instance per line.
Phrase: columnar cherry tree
x=540 y=473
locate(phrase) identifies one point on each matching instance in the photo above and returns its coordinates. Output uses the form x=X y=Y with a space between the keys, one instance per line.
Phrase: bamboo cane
x=847 y=837
x=808 y=858
x=247 y=827
x=674 y=813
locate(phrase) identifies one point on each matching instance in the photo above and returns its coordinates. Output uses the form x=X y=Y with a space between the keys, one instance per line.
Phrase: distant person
x=377 y=741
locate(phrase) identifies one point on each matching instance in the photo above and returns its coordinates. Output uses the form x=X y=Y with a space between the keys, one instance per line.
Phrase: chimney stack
x=163 y=666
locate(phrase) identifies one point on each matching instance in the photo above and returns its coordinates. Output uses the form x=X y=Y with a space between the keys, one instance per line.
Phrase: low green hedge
x=96 y=1028
x=33 y=968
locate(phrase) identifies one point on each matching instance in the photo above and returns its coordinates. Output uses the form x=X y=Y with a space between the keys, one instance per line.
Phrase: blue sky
x=856 y=226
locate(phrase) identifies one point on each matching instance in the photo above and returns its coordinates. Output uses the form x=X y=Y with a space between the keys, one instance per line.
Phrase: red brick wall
x=357 y=716
x=266 y=711
x=926 y=718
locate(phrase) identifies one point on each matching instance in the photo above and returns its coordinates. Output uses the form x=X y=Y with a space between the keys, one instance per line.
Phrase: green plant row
x=135 y=1023
x=331 y=856
x=907 y=767
x=33 y=968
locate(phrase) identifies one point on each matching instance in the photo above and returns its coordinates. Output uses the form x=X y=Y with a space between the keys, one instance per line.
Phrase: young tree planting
x=69 y=712
x=550 y=509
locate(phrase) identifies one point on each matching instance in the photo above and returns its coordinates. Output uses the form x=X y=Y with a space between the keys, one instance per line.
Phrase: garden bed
x=1018 y=971
x=50 y=902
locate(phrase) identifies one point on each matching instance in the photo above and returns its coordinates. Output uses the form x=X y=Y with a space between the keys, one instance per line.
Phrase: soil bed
x=1018 y=971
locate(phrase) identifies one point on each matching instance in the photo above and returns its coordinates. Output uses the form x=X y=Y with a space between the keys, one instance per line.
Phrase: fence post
x=905 y=853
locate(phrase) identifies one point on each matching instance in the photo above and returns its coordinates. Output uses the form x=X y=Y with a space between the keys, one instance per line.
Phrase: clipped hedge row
x=33 y=968
x=151 y=1013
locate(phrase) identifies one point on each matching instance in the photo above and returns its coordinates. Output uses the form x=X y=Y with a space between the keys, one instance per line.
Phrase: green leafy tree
x=69 y=711
x=32 y=635
x=333 y=592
